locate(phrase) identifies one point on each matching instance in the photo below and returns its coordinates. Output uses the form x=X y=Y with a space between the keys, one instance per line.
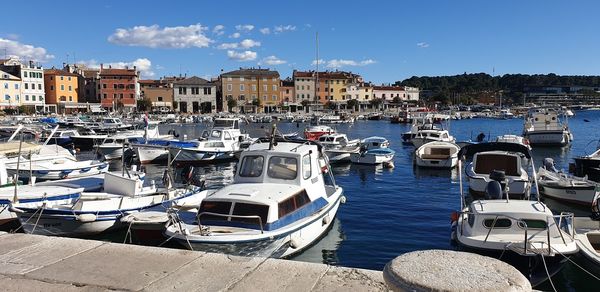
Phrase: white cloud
x=227 y=46
x=245 y=27
x=422 y=45
x=235 y=35
x=265 y=30
x=248 y=43
x=219 y=29
x=272 y=60
x=242 y=56
x=156 y=37
x=284 y=28
x=24 y=52
x=339 y=63
x=143 y=65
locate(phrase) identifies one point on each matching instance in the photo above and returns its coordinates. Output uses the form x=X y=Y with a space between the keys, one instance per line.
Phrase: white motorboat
x=565 y=187
x=91 y=213
x=524 y=233
x=587 y=235
x=426 y=136
x=417 y=126
x=543 y=127
x=497 y=158
x=588 y=166
x=52 y=162
x=374 y=150
x=86 y=139
x=223 y=142
x=112 y=147
x=338 y=148
x=330 y=119
x=278 y=205
x=437 y=155
x=508 y=138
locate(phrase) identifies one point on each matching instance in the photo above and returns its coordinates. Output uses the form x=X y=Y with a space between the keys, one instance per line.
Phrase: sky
x=384 y=41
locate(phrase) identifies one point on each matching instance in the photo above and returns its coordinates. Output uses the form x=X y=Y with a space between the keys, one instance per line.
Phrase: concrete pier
x=40 y=263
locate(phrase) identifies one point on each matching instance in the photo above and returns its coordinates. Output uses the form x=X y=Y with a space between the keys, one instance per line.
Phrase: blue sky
x=384 y=41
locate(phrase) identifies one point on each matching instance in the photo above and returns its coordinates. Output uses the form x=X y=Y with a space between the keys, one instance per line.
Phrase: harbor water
x=394 y=211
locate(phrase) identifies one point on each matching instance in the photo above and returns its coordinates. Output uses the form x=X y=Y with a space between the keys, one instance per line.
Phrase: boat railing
x=232 y=216
x=564 y=218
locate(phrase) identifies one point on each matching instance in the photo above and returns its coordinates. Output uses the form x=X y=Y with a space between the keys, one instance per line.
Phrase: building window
x=70 y=97
x=104 y=85
x=115 y=86
x=114 y=95
x=69 y=78
x=121 y=95
x=104 y=95
x=32 y=86
x=242 y=87
x=70 y=89
x=207 y=91
x=274 y=97
x=229 y=79
x=159 y=98
x=274 y=79
x=26 y=86
x=265 y=87
x=51 y=87
x=33 y=97
x=62 y=78
x=62 y=87
x=229 y=87
x=25 y=75
x=16 y=86
x=26 y=97
x=195 y=90
x=131 y=95
x=308 y=95
x=264 y=97
x=253 y=87
x=5 y=85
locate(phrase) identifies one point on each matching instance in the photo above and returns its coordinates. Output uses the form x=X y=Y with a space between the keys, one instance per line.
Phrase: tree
x=397 y=100
x=330 y=105
x=175 y=105
x=305 y=103
x=257 y=103
x=352 y=104
x=144 y=104
x=231 y=103
x=376 y=103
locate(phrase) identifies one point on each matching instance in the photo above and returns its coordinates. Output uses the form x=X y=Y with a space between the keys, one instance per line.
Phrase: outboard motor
x=496 y=188
x=549 y=164
x=188 y=177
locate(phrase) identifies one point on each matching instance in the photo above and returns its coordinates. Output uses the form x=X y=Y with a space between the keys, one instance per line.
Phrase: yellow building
x=254 y=90
x=61 y=89
x=10 y=90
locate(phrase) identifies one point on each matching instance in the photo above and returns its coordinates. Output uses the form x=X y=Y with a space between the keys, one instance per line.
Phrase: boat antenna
x=460 y=184
x=272 y=139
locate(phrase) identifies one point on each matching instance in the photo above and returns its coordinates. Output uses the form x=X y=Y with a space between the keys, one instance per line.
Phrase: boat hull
x=437 y=163
x=365 y=158
x=189 y=156
x=548 y=138
x=151 y=155
x=43 y=174
x=576 y=195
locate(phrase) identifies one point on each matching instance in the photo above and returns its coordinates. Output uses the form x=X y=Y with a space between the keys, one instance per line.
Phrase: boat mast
x=316 y=98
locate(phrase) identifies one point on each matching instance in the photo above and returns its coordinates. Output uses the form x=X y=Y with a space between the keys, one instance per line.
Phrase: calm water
x=393 y=211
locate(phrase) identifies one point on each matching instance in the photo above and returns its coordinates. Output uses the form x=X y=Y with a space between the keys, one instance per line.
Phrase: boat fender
x=343 y=200
x=295 y=241
x=454 y=217
x=86 y=217
x=326 y=220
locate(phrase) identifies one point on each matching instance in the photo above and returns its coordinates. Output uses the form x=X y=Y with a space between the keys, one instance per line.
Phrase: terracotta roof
x=252 y=72
x=122 y=72
x=326 y=74
x=193 y=81
x=58 y=72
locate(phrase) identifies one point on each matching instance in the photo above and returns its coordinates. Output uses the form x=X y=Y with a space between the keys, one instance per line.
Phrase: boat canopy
x=469 y=150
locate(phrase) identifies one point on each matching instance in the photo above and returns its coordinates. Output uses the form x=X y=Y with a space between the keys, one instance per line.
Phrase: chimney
x=101 y=66
x=134 y=67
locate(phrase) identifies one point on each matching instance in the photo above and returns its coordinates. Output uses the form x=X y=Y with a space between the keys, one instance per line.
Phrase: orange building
x=61 y=88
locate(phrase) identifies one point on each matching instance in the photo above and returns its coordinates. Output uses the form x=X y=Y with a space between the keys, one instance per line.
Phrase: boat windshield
x=488 y=162
x=215 y=134
x=282 y=167
x=252 y=166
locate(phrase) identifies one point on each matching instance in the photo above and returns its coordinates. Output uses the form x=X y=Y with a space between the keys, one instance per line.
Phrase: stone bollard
x=446 y=270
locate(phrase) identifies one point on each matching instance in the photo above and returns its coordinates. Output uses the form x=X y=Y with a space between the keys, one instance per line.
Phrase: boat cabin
x=486 y=162
x=227 y=123
x=271 y=188
x=375 y=143
x=433 y=134
x=335 y=139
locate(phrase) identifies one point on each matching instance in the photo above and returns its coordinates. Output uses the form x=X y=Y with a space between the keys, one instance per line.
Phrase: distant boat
x=543 y=128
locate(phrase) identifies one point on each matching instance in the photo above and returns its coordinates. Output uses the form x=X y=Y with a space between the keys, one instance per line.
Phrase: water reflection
x=325 y=250
x=425 y=173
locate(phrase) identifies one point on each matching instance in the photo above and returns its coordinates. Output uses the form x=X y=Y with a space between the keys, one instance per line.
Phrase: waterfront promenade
x=40 y=263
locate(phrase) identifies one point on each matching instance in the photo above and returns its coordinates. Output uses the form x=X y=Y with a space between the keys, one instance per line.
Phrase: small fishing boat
x=564 y=187
x=314 y=132
x=278 y=205
x=496 y=158
x=91 y=213
x=588 y=165
x=426 y=136
x=374 y=150
x=508 y=138
x=543 y=127
x=220 y=144
x=437 y=155
x=338 y=148
x=85 y=138
x=523 y=233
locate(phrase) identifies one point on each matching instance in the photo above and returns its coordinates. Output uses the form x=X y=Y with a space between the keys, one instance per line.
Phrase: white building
x=195 y=95
x=388 y=93
x=361 y=92
x=32 y=81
